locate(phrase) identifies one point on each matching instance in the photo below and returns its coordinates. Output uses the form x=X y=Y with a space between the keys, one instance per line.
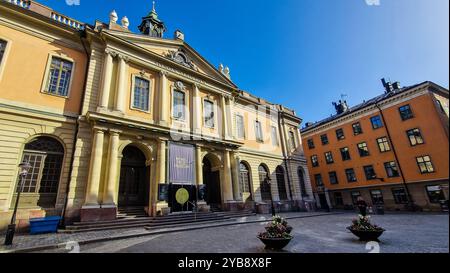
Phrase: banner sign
x=163 y=192
x=181 y=164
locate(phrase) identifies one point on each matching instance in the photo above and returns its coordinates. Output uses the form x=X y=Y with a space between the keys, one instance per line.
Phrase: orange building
x=390 y=150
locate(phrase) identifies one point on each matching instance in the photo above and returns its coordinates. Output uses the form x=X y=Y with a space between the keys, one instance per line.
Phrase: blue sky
x=302 y=53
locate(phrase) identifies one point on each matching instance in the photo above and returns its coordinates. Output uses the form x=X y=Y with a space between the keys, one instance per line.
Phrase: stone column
x=111 y=182
x=164 y=103
x=198 y=165
x=223 y=105
x=235 y=174
x=107 y=75
x=227 y=183
x=121 y=84
x=161 y=162
x=197 y=111
x=95 y=169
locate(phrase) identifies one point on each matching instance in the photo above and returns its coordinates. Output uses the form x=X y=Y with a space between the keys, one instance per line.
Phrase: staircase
x=131 y=213
x=132 y=218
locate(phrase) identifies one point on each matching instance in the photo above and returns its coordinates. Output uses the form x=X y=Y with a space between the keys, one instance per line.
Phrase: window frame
x=388 y=165
x=354 y=196
x=322 y=139
x=410 y=113
x=360 y=129
x=373 y=125
x=4 y=59
x=384 y=144
x=44 y=87
x=237 y=126
x=184 y=118
x=315 y=165
x=326 y=157
x=348 y=152
x=321 y=180
x=415 y=137
x=429 y=194
x=311 y=144
x=133 y=87
x=334 y=173
x=354 y=175
x=424 y=162
x=373 y=196
x=341 y=132
x=366 y=150
x=274 y=136
x=365 y=172
x=214 y=111
x=259 y=133
x=340 y=198
x=395 y=196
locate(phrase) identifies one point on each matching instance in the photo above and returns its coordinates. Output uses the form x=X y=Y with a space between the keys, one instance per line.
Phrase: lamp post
x=24 y=167
x=269 y=182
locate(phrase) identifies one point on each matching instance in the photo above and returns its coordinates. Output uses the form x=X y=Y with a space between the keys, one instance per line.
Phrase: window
x=208 y=113
x=340 y=134
x=355 y=195
x=351 y=176
x=311 y=144
x=363 y=149
x=2 y=49
x=244 y=178
x=329 y=158
x=400 y=196
x=240 y=126
x=383 y=144
x=415 y=137
x=324 y=139
x=141 y=94
x=301 y=176
x=179 y=101
x=405 y=112
x=345 y=153
x=274 y=136
x=370 y=172
x=425 y=165
x=435 y=194
x=59 y=77
x=338 y=200
x=292 y=140
x=333 y=178
x=376 y=122
x=318 y=179
x=281 y=183
x=357 y=129
x=263 y=183
x=258 y=131
x=314 y=161
x=391 y=169
x=377 y=197
x=46 y=156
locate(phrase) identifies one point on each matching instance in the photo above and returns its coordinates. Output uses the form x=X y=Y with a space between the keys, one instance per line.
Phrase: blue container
x=44 y=225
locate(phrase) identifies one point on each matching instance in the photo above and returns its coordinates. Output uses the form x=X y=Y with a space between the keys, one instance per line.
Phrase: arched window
x=281 y=183
x=244 y=178
x=301 y=177
x=263 y=183
x=45 y=156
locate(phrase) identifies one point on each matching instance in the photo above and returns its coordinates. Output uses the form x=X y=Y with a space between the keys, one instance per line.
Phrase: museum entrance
x=211 y=178
x=134 y=175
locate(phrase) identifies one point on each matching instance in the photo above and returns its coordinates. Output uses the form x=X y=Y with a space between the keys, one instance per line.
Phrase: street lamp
x=269 y=182
x=24 y=168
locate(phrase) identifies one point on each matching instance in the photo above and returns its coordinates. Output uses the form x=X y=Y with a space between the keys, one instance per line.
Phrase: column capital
x=163 y=73
x=99 y=130
x=123 y=57
x=115 y=132
x=111 y=52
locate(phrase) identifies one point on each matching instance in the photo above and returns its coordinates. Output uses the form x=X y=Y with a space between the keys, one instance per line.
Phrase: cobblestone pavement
x=406 y=233
x=33 y=241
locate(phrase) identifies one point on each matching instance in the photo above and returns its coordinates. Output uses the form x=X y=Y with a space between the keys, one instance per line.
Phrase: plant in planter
x=364 y=229
x=277 y=233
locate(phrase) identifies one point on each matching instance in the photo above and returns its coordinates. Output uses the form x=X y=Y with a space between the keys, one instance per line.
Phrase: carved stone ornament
x=180 y=86
x=180 y=57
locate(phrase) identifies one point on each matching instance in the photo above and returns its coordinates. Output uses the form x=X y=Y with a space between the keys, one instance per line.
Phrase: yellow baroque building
x=111 y=119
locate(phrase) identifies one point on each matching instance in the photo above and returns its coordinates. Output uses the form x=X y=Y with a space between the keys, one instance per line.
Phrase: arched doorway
x=244 y=180
x=45 y=155
x=281 y=183
x=301 y=177
x=211 y=178
x=134 y=174
x=263 y=183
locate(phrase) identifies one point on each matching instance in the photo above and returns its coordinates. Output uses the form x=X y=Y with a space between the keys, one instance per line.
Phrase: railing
x=67 y=21
x=21 y=3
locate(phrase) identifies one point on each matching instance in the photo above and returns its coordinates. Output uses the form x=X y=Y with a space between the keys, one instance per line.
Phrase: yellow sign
x=182 y=196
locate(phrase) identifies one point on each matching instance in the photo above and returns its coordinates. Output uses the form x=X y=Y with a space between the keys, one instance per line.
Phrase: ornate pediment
x=180 y=57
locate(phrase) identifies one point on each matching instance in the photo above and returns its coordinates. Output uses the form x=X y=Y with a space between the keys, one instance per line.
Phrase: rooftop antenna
x=153 y=6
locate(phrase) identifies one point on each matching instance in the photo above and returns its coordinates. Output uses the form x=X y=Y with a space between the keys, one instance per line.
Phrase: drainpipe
x=410 y=201
x=284 y=149
x=62 y=223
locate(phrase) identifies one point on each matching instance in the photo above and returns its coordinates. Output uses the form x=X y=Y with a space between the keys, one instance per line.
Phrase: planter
x=367 y=235
x=275 y=243
x=44 y=225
